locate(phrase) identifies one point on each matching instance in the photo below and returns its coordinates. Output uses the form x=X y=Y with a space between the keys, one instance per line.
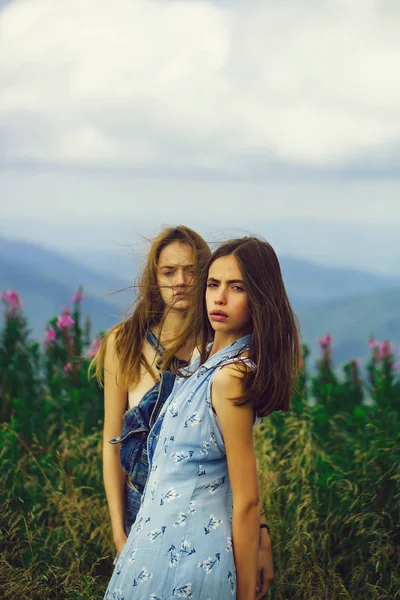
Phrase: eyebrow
x=230 y=281
x=175 y=266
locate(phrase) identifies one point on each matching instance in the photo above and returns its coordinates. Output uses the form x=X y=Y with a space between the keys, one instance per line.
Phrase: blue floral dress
x=181 y=543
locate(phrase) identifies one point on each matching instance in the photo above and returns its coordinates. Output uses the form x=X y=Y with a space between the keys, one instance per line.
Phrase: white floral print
x=209 y=563
x=180 y=520
x=193 y=421
x=178 y=457
x=184 y=591
x=143 y=576
x=213 y=487
x=213 y=523
x=156 y=533
x=169 y=496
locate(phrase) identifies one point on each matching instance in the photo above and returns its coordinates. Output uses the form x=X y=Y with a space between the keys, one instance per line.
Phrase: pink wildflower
x=50 y=336
x=68 y=367
x=77 y=297
x=64 y=321
x=11 y=299
x=373 y=344
x=65 y=451
x=94 y=347
x=325 y=342
x=386 y=348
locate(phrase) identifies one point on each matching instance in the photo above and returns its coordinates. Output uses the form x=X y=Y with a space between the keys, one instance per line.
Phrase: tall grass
x=329 y=475
x=55 y=533
x=333 y=504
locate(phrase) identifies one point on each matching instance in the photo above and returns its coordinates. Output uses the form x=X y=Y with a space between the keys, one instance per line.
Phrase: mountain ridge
x=349 y=303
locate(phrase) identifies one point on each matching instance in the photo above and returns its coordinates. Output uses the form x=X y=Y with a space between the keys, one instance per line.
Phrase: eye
x=167 y=273
x=211 y=285
x=237 y=288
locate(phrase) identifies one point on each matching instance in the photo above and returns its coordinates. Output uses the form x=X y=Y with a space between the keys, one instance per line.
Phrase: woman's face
x=175 y=275
x=227 y=297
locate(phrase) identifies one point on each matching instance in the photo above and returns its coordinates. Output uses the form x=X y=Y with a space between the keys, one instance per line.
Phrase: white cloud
x=199 y=84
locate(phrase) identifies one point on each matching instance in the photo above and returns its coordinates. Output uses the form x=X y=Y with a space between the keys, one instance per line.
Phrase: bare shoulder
x=228 y=383
x=112 y=335
x=230 y=372
x=227 y=387
x=110 y=349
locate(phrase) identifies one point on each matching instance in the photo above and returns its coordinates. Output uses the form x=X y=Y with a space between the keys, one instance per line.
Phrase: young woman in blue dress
x=196 y=534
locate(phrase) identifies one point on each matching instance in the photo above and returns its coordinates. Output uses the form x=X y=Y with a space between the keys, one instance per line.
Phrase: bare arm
x=237 y=429
x=115 y=400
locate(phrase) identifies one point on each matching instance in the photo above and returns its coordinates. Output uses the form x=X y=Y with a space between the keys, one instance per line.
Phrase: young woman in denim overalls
x=128 y=364
x=196 y=533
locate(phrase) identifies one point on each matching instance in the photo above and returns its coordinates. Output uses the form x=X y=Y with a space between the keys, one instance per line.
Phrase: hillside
x=352 y=321
x=315 y=284
x=57 y=267
x=348 y=303
x=43 y=298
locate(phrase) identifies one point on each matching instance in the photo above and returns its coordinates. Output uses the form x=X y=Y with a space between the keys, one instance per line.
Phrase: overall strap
x=154 y=342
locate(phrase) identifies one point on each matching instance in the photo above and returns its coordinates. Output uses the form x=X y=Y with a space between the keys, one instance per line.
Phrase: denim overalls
x=136 y=426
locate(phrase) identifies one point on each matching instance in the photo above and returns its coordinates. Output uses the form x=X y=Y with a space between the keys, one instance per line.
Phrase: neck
x=171 y=326
x=223 y=339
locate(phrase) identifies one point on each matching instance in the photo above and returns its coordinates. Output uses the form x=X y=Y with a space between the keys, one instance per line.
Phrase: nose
x=220 y=296
x=179 y=279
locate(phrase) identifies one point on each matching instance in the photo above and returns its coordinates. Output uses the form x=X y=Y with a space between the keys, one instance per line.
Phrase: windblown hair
x=276 y=348
x=149 y=309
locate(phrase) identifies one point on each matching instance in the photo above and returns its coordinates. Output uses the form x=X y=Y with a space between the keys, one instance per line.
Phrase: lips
x=220 y=313
x=218 y=316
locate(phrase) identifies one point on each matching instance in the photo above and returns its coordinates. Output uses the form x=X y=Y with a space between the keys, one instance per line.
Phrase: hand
x=265 y=567
x=120 y=543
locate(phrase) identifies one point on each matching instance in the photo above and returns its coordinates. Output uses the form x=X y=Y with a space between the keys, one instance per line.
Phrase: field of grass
x=329 y=474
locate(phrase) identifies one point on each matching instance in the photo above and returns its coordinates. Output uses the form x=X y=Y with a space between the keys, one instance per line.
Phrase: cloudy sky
x=116 y=116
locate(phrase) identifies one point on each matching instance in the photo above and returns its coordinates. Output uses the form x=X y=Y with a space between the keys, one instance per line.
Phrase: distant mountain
x=60 y=268
x=46 y=281
x=371 y=247
x=347 y=303
x=347 y=243
x=307 y=283
x=314 y=284
x=44 y=298
x=351 y=322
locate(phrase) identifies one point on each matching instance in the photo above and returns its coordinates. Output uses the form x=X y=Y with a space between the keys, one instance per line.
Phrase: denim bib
x=138 y=421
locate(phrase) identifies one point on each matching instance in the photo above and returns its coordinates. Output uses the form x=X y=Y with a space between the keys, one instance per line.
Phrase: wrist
x=266 y=527
x=264 y=539
x=119 y=536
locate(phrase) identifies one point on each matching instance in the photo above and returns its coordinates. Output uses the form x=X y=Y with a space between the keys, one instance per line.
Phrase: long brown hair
x=276 y=347
x=148 y=310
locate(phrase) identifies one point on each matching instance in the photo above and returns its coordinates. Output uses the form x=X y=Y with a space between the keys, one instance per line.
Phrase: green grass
x=332 y=503
x=329 y=476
